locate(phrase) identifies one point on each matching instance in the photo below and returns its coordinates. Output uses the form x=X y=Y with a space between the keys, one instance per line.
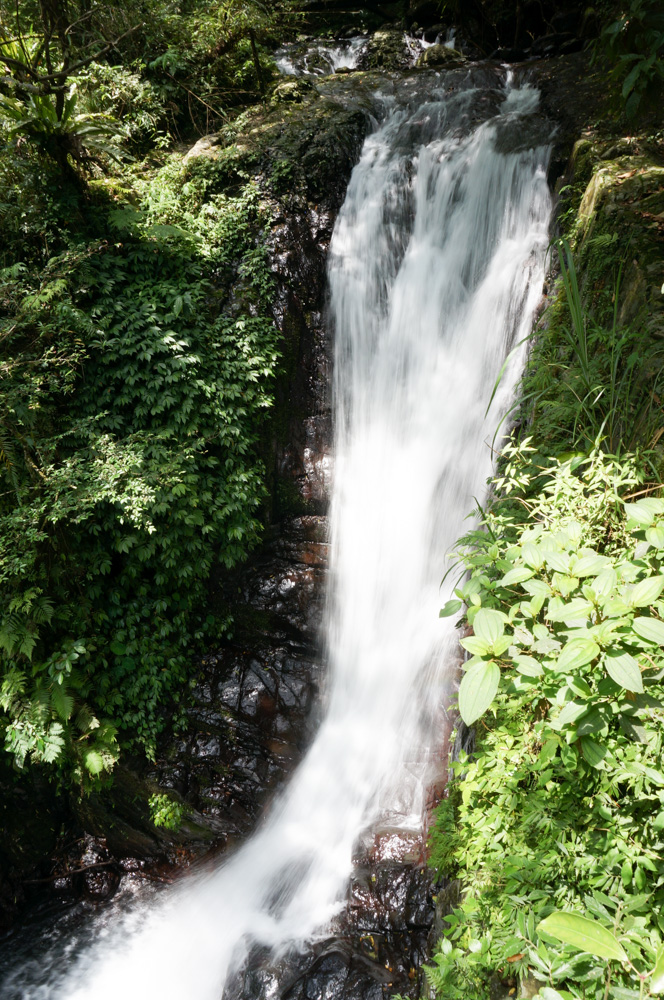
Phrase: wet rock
x=387 y=50
x=508 y=55
x=292 y=91
x=207 y=146
x=440 y=55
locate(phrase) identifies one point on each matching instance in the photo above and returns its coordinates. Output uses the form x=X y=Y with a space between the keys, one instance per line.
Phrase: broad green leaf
x=475 y=645
x=576 y=653
x=94 y=762
x=489 y=625
x=655 y=536
x=579 y=686
x=584 y=934
x=548 y=993
x=595 y=721
x=658 y=822
x=502 y=644
x=571 y=611
x=645 y=592
x=558 y=561
x=644 y=511
x=532 y=555
x=624 y=669
x=650 y=629
x=537 y=588
x=615 y=607
x=528 y=665
x=591 y=565
x=656 y=984
x=593 y=753
x=477 y=690
x=606 y=582
x=517 y=575
x=570 y=713
x=450 y=608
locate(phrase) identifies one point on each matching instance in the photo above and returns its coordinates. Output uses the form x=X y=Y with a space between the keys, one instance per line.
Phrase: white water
x=435 y=270
x=320 y=59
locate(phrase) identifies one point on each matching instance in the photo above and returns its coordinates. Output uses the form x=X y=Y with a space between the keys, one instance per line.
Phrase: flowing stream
x=435 y=271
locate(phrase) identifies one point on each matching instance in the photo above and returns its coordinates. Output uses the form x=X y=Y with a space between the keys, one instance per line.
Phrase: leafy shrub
x=129 y=99
x=634 y=43
x=130 y=465
x=562 y=809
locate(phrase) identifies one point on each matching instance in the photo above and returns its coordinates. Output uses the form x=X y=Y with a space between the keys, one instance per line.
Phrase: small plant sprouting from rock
x=166 y=812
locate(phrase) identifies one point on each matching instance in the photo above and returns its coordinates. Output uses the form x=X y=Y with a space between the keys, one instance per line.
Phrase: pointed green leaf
x=489 y=625
x=517 y=575
x=570 y=713
x=576 y=653
x=586 y=935
x=450 y=608
x=477 y=690
x=593 y=752
x=644 y=512
x=624 y=669
x=572 y=610
x=606 y=582
x=475 y=645
x=645 y=592
x=655 y=536
x=558 y=561
x=591 y=565
x=650 y=629
x=528 y=665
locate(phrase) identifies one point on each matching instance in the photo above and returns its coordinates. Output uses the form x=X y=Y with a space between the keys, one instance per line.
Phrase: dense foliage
x=137 y=350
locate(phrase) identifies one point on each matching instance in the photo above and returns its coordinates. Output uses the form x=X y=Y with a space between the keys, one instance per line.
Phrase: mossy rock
x=388 y=51
x=440 y=55
x=293 y=91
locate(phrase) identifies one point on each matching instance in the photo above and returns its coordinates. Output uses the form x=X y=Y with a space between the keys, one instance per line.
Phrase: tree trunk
x=257 y=65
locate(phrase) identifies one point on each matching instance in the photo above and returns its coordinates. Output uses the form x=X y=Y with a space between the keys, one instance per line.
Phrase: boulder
x=440 y=55
x=387 y=50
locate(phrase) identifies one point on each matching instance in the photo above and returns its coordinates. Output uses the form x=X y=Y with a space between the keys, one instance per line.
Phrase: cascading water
x=435 y=271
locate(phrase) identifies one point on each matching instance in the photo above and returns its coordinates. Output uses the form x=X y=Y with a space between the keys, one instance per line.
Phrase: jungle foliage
x=132 y=392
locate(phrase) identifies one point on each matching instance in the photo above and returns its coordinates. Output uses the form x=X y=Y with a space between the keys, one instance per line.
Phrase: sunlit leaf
x=576 y=653
x=584 y=934
x=477 y=690
x=624 y=670
x=644 y=593
x=489 y=625
x=650 y=629
x=450 y=608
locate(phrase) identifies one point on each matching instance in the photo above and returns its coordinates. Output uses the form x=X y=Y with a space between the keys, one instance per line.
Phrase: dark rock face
x=379 y=942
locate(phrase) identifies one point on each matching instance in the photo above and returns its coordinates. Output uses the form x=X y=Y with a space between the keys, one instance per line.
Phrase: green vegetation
x=555 y=826
x=633 y=44
x=137 y=355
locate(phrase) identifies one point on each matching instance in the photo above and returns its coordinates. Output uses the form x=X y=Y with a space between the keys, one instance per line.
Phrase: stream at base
x=435 y=271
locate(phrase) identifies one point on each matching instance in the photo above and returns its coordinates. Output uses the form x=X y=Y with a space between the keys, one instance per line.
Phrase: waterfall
x=435 y=271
